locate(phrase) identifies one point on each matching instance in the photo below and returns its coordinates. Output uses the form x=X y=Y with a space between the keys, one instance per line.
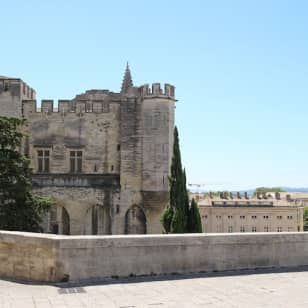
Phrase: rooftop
x=243 y=199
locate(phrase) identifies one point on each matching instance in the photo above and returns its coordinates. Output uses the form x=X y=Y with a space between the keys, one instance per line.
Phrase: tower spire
x=127 y=80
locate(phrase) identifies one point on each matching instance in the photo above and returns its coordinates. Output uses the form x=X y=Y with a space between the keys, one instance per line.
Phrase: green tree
x=268 y=189
x=186 y=200
x=194 y=218
x=20 y=210
x=166 y=219
x=175 y=217
x=178 y=222
x=306 y=219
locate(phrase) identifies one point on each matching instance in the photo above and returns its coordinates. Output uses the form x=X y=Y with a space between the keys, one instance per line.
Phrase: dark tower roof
x=127 y=80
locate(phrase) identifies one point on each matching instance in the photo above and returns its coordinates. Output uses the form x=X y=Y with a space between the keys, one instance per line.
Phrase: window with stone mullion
x=43 y=160
x=76 y=161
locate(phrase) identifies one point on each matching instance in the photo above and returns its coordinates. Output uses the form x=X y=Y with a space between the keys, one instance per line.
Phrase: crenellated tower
x=147 y=123
x=157 y=142
x=12 y=92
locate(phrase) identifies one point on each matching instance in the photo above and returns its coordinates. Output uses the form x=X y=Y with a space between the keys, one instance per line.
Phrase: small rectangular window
x=43 y=161
x=75 y=161
x=105 y=107
x=79 y=164
x=72 y=165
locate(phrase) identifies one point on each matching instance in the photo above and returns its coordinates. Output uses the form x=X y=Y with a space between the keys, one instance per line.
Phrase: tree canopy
x=268 y=189
x=194 y=218
x=20 y=210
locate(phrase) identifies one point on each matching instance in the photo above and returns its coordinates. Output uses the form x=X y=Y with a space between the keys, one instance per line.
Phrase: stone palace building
x=103 y=156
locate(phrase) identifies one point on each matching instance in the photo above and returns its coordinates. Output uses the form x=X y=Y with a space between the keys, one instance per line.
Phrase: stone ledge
x=48 y=257
x=76 y=180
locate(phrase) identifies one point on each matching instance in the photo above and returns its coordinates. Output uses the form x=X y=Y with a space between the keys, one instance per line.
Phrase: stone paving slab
x=237 y=289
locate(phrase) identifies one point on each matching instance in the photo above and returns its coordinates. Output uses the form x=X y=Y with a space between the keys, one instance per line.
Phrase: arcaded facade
x=103 y=156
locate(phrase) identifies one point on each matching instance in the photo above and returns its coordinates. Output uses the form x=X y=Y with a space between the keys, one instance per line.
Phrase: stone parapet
x=44 y=257
x=156 y=90
x=48 y=106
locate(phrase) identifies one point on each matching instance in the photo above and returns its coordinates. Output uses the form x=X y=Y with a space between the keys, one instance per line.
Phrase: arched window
x=135 y=221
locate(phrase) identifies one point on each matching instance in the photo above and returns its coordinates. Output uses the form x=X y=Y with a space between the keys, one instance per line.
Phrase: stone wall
x=43 y=257
x=96 y=134
x=29 y=256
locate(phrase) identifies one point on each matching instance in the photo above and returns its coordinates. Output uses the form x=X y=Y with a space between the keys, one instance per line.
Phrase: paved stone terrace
x=238 y=289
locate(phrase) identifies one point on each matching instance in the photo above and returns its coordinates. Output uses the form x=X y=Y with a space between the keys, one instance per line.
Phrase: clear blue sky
x=240 y=69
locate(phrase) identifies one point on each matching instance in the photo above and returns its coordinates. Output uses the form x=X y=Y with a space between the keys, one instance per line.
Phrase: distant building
x=240 y=213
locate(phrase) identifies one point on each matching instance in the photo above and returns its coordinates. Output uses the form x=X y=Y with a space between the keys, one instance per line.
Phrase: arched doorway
x=135 y=221
x=97 y=220
x=65 y=221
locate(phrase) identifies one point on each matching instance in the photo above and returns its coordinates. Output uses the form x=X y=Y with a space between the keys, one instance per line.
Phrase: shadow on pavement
x=77 y=287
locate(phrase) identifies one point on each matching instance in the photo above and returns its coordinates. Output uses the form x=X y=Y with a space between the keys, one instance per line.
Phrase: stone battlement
x=66 y=106
x=17 y=87
x=81 y=105
x=156 y=90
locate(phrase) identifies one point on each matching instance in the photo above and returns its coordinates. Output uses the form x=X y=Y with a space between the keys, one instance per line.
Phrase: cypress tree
x=178 y=221
x=166 y=219
x=186 y=201
x=174 y=218
x=194 y=219
x=178 y=217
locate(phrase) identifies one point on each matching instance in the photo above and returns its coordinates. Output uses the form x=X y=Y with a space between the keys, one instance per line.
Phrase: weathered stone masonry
x=104 y=156
x=53 y=258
